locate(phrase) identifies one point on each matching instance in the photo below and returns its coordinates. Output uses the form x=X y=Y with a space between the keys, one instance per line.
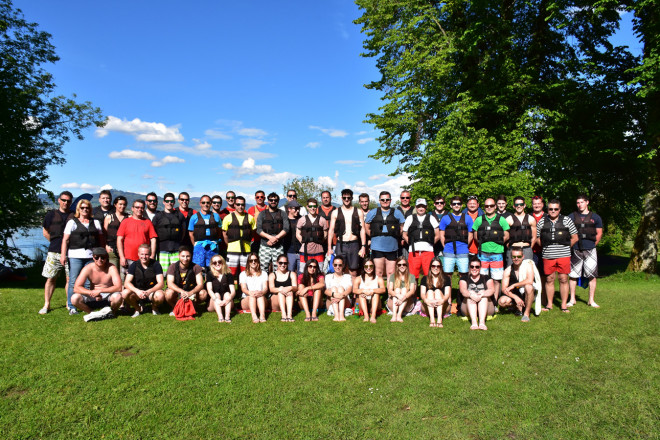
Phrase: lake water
x=32 y=244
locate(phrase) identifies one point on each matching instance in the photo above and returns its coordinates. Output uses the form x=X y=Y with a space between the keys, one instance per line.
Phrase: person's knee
x=76 y=298
x=158 y=297
x=504 y=301
x=116 y=299
x=563 y=278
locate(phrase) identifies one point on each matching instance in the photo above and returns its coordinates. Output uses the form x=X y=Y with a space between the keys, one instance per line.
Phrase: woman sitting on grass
x=338 y=287
x=369 y=287
x=254 y=285
x=220 y=286
x=401 y=288
x=435 y=291
x=477 y=291
x=283 y=282
x=311 y=284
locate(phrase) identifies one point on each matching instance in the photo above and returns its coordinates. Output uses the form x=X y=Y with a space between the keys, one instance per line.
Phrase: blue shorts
x=455 y=260
x=202 y=256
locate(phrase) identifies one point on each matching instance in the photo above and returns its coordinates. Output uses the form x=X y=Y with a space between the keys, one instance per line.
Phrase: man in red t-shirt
x=260 y=199
x=133 y=232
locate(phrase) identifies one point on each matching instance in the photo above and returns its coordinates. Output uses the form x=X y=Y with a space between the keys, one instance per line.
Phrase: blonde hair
x=224 y=270
x=83 y=202
x=401 y=280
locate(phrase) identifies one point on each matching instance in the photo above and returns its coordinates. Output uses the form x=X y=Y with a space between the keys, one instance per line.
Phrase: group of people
x=352 y=256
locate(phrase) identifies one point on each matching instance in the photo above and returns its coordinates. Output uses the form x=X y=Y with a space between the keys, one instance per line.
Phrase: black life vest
x=456 y=230
x=326 y=215
x=239 y=232
x=82 y=237
x=520 y=231
x=312 y=232
x=492 y=232
x=555 y=233
x=272 y=224
x=57 y=225
x=407 y=213
x=418 y=232
x=111 y=232
x=585 y=226
x=145 y=279
x=438 y=216
x=169 y=226
x=199 y=231
x=391 y=223
x=190 y=282
x=340 y=223
x=290 y=242
x=99 y=214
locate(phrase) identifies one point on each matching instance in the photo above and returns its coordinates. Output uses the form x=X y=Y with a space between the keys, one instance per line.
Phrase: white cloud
x=106 y=186
x=378 y=176
x=225 y=154
x=83 y=186
x=353 y=163
x=165 y=160
x=252 y=132
x=252 y=144
x=216 y=134
x=332 y=132
x=394 y=185
x=361 y=133
x=131 y=154
x=202 y=146
x=329 y=181
x=248 y=167
x=365 y=140
x=313 y=145
x=147 y=176
x=264 y=181
x=141 y=130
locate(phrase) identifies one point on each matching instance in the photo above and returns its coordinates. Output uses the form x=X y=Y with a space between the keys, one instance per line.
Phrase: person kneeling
x=105 y=287
x=220 y=286
x=144 y=283
x=518 y=284
x=478 y=289
x=185 y=280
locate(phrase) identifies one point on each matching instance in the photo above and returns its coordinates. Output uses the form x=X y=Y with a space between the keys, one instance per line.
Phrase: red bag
x=184 y=310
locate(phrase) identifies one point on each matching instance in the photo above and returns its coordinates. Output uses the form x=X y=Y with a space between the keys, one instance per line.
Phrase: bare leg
x=529 y=299
x=49 y=288
x=483 y=312
x=375 y=303
x=497 y=285
x=253 y=308
x=550 y=289
x=302 y=301
x=379 y=264
x=472 y=311
x=390 y=267
x=289 y=306
x=572 y=284
x=261 y=304
x=158 y=300
x=171 y=297
x=316 y=302
x=592 y=293
x=228 y=306
x=275 y=304
x=281 y=302
x=341 y=305
x=563 y=289
x=364 y=307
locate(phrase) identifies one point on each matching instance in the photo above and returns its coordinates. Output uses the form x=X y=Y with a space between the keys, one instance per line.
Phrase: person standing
x=105 y=206
x=237 y=230
x=53 y=231
x=151 y=207
x=290 y=241
x=351 y=236
x=473 y=210
x=204 y=232
x=111 y=226
x=523 y=231
x=187 y=213
x=254 y=211
x=491 y=232
x=230 y=197
x=421 y=232
x=557 y=233
x=134 y=231
x=312 y=232
x=584 y=260
x=272 y=227
x=170 y=225
x=384 y=225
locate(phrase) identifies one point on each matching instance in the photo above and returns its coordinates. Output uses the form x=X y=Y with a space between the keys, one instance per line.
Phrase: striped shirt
x=553 y=251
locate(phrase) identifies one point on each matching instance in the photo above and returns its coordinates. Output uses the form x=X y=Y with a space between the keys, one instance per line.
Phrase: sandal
x=439 y=325
x=228 y=321
x=284 y=320
x=315 y=318
x=307 y=319
x=546 y=309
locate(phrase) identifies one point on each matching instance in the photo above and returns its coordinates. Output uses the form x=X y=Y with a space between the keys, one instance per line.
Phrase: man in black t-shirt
x=144 y=283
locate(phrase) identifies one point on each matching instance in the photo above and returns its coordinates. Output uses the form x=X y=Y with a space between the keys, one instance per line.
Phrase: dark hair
x=457 y=198
x=368 y=260
x=153 y=194
x=582 y=196
x=347 y=191
x=275 y=195
x=554 y=201
x=438 y=197
x=282 y=255
x=259 y=191
x=363 y=195
x=501 y=197
x=384 y=193
x=329 y=193
x=474 y=259
x=537 y=198
x=215 y=196
x=518 y=198
x=205 y=195
x=439 y=281
x=308 y=280
x=138 y=201
x=185 y=248
x=183 y=193
x=312 y=200
x=105 y=192
x=240 y=198
x=168 y=195
x=230 y=191
x=516 y=249
x=118 y=199
x=66 y=193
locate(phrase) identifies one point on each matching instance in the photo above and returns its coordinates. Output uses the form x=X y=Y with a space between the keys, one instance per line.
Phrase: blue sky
x=209 y=96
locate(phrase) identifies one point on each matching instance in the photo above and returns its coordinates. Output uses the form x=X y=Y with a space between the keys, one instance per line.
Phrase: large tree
x=34 y=123
x=644 y=256
x=306 y=187
x=514 y=97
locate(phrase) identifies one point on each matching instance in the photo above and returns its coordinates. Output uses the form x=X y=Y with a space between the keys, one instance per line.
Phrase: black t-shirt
x=56 y=244
x=220 y=285
x=424 y=281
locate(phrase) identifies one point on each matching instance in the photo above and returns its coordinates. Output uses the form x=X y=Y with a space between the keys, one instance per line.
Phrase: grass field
x=588 y=374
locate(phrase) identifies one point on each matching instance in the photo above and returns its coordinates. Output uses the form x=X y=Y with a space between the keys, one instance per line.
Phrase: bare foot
x=432 y=324
x=474 y=327
x=373 y=320
x=366 y=319
x=439 y=325
x=483 y=327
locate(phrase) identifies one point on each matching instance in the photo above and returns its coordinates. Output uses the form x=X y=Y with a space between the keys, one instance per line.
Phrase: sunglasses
x=553 y=209
x=518 y=204
x=368 y=266
x=402 y=265
x=475 y=267
x=456 y=204
x=385 y=200
x=253 y=260
x=347 y=198
x=216 y=262
x=516 y=257
x=439 y=203
x=217 y=203
x=204 y=203
x=489 y=206
x=65 y=200
x=240 y=204
x=312 y=206
x=100 y=257
x=151 y=201
x=405 y=198
x=292 y=196
x=168 y=201
x=338 y=265
x=273 y=200
x=435 y=266
x=282 y=263
x=184 y=200
x=230 y=197
x=260 y=197
x=84 y=208
x=314 y=266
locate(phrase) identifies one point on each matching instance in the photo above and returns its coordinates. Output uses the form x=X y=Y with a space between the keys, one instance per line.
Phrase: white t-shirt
x=332 y=280
x=80 y=253
x=254 y=282
x=420 y=246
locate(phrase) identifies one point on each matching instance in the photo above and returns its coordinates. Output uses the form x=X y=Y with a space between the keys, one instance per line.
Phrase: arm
x=153 y=243
x=298 y=235
x=506 y=236
x=490 y=289
x=65 y=246
x=462 y=287
x=441 y=237
x=79 y=286
x=599 y=235
x=436 y=238
x=574 y=239
x=532 y=225
x=120 y=251
x=381 y=287
x=271 y=284
x=367 y=226
x=331 y=229
x=470 y=238
x=106 y=222
x=172 y=285
x=116 y=281
x=192 y=237
x=363 y=235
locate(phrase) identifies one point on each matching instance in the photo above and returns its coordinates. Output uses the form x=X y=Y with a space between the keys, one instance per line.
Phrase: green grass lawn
x=588 y=374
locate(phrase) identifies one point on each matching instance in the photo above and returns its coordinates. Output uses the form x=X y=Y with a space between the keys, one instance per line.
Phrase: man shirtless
x=347 y=223
x=104 y=287
x=518 y=284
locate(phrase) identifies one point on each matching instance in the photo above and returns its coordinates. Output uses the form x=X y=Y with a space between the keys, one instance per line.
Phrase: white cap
x=420 y=202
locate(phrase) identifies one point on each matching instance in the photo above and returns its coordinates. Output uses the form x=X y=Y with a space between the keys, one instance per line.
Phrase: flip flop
x=315 y=318
x=439 y=325
x=594 y=305
x=546 y=309
x=307 y=319
x=565 y=310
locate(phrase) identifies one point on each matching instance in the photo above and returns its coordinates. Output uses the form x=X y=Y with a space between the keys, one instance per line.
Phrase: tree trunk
x=644 y=255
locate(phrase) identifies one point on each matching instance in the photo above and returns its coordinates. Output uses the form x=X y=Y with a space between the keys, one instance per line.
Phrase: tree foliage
x=34 y=124
x=306 y=187
x=514 y=97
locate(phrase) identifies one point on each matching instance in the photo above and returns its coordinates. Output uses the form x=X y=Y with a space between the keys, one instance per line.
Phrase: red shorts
x=561 y=265
x=317 y=257
x=419 y=262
